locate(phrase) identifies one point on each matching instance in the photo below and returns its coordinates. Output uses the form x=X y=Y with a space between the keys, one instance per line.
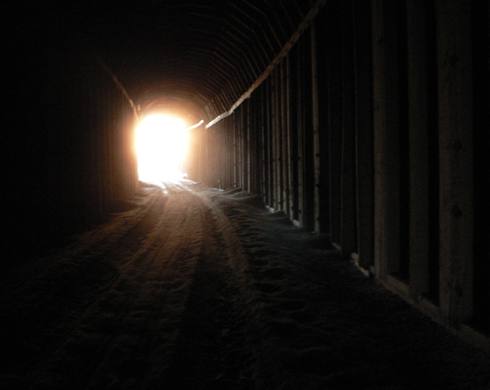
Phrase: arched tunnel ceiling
x=204 y=52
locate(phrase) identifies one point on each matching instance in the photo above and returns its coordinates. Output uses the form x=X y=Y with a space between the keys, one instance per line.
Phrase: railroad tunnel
x=354 y=131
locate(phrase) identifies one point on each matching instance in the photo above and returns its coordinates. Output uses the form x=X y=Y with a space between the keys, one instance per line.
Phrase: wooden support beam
x=385 y=122
x=456 y=158
x=284 y=138
x=418 y=119
x=300 y=130
x=348 y=183
x=305 y=23
x=364 y=133
x=290 y=138
x=315 y=130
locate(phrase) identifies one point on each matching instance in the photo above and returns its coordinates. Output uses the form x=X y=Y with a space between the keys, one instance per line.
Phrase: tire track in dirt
x=128 y=331
x=218 y=334
x=161 y=288
x=39 y=310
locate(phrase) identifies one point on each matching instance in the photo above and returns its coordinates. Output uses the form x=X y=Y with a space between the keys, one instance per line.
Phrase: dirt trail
x=200 y=289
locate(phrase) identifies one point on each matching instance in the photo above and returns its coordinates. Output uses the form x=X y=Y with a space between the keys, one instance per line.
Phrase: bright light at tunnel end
x=161 y=143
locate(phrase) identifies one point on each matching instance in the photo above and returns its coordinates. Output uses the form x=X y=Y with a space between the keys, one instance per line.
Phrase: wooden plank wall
x=364 y=134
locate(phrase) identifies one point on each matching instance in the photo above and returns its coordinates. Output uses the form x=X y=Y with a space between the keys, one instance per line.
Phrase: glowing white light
x=161 y=147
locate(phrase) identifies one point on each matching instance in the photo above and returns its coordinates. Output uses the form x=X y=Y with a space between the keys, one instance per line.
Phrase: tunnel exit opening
x=161 y=143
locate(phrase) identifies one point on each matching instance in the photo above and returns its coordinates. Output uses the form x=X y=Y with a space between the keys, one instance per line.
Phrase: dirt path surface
x=202 y=289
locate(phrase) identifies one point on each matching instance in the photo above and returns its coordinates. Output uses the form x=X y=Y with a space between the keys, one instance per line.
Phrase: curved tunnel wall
x=365 y=132
x=69 y=146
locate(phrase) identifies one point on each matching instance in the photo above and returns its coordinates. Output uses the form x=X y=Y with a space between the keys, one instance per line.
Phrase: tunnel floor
x=204 y=289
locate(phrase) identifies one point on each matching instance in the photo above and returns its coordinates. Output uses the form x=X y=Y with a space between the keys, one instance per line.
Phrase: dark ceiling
x=205 y=53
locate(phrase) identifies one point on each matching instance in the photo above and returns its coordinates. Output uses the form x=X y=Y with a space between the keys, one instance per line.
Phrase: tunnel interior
x=91 y=72
x=362 y=122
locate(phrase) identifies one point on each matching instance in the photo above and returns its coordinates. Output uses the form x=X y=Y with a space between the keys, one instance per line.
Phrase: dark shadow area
x=236 y=298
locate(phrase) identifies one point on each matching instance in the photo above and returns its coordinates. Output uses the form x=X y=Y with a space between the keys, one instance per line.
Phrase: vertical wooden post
x=385 y=122
x=322 y=111
x=306 y=130
x=278 y=131
x=236 y=143
x=293 y=115
x=364 y=132
x=263 y=143
x=456 y=158
x=290 y=138
x=418 y=119
x=334 y=107
x=275 y=157
x=300 y=64
x=284 y=138
x=247 y=153
x=316 y=130
x=270 y=145
x=348 y=183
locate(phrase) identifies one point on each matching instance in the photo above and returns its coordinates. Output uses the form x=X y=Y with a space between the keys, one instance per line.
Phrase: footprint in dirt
x=292 y=305
x=251 y=244
x=305 y=316
x=283 y=328
x=259 y=263
x=252 y=240
x=176 y=285
x=268 y=288
x=274 y=273
x=312 y=360
x=261 y=252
